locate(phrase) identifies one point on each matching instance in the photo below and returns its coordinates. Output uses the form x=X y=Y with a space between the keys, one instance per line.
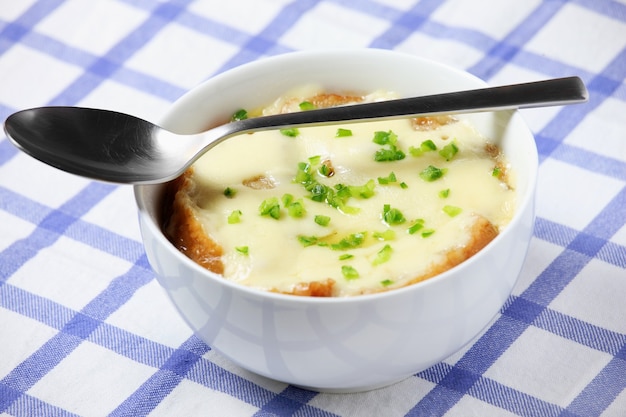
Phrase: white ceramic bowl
x=342 y=344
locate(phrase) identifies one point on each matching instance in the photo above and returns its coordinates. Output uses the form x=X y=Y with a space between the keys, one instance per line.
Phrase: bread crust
x=185 y=231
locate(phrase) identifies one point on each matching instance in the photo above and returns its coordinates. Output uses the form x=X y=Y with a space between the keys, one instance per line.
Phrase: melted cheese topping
x=271 y=254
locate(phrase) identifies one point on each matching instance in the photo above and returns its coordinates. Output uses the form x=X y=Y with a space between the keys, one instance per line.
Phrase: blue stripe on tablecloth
x=159 y=385
x=15 y=30
x=80 y=230
x=292 y=401
x=613 y=9
x=461 y=379
x=29 y=406
x=404 y=24
x=265 y=42
x=503 y=52
x=104 y=67
x=50 y=228
x=72 y=333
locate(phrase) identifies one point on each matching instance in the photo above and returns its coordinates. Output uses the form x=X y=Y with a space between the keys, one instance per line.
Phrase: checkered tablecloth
x=86 y=330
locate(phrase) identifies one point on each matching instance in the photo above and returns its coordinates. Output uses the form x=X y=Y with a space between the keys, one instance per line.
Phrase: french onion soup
x=341 y=210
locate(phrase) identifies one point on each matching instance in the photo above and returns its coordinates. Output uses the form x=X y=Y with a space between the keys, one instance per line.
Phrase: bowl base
x=352 y=390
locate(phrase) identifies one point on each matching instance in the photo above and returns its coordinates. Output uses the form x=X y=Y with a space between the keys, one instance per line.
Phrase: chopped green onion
x=497 y=172
x=325 y=170
x=336 y=197
x=306 y=105
x=322 y=220
x=362 y=191
x=383 y=255
x=426 y=146
x=287 y=199
x=234 y=217
x=386 y=282
x=392 y=216
x=319 y=192
x=296 y=209
x=385 y=138
x=404 y=185
x=448 y=151
x=349 y=272
x=350 y=242
x=386 y=235
x=307 y=240
x=291 y=132
x=345 y=256
x=242 y=250
x=444 y=193
x=416 y=226
x=388 y=179
x=452 y=210
x=315 y=160
x=342 y=133
x=270 y=207
x=229 y=192
x=432 y=173
x=240 y=114
x=428 y=232
x=389 y=155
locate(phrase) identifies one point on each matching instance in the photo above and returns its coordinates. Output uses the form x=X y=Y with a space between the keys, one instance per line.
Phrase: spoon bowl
x=116 y=147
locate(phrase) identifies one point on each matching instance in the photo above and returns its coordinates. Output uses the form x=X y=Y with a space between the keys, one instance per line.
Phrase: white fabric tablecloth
x=86 y=330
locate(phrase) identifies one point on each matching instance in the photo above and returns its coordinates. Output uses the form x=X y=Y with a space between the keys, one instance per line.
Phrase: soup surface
x=341 y=210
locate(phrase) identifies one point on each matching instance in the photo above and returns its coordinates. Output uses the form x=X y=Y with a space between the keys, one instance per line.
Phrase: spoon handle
x=553 y=92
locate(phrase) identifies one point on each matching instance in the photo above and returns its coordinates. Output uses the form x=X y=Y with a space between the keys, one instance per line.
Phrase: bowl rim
x=524 y=204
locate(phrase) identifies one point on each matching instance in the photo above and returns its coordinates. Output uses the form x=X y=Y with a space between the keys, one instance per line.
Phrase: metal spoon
x=117 y=147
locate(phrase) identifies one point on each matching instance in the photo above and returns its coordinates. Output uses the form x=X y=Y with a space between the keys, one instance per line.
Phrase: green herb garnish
x=385 y=138
x=345 y=256
x=448 y=151
x=325 y=170
x=391 y=178
x=426 y=146
x=392 y=153
x=234 y=217
x=322 y=220
x=386 y=282
x=306 y=105
x=388 y=234
x=291 y=132
x=444 y=193
x=350 y=242
x=307 y=240
x=452 y=210
x=432 y=173
x=389 y=155
x=244 y=250
x=342 y=133
x=270 y=207
x=392 y=216
x=240 y=114
x=428 y=232
x=296 y=209
x=230 y=192
x=383 y=255
x=416 y=226
x=349 y=272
